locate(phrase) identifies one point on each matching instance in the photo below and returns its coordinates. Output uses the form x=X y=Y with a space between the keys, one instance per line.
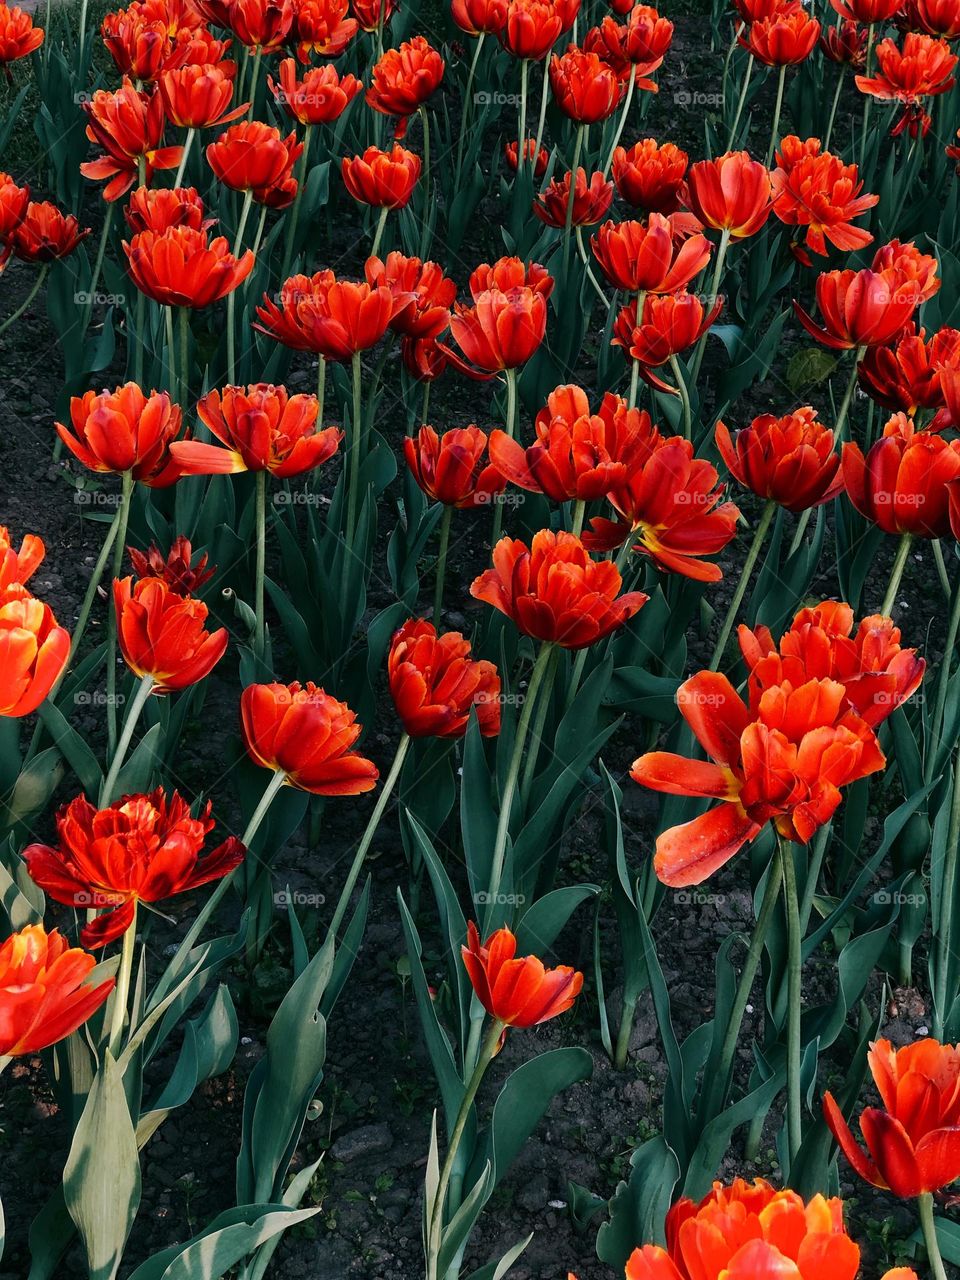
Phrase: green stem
x=98 y=265
x=121 y=995
x=255 y=57
x=441 y=563
x=741 y=102
x=425 y=229
x=369 y=832
x=259 y=639
x=928 y=1226
x=896 y=573
x=435 y=1225
x=37 y=284
x=184 y=358
x=466 y=106
x=425 y=406
x=513 y=773
x=144 y=690
x=321 y=389
x=568 y=218
x=356 y=432
x=510 y=426
x=781 y=80
x=763 y=524
x=943 y=927
x=232 y=295
x=584 y=258
x=711 y=300
x=847 y=400
x=181 y=168
x=138 y=349
x=522 y=125
x=942 y=568
x=541 y=121
x=297 y=200
x=684 y=398
x=631 y=85
x=867 y=100
x=123 y=519
x=794 y=1000
x=536 y=737
x=171 y=353
x=943 y=676
x=576 y=522
x=381 y=224
x=833 y=110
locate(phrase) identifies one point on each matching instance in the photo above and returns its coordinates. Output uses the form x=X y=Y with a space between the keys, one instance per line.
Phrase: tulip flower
x=785 y=38
x=479 y=17
x=784 y=759
x=510 y=273
x=501 y=331
x=384 y=179
x=139 y=43
x=749 y=1230
x=554 y=592
x=122 y=430
x=334 y=318
x=18 y=36
x=143 y=848
x=909 y=375
x=18 y=567
x=261 y=25
x=584 y=88
x=128 y=125
x=404 y=79
x=159 y=208
x=672 y=505
x=321 y=97
x=906 y=265
x=868 y=12
x=306 y=735
x=876 y=673
x=424 y=359
x=44 y=990
x=263 y=429
x=860 y=308
x=846 y=44
x=902 y=483
x=197 y=97
x=938 y=18
x=373 y=14
x=163 y=634
x=45 y=234
x=14 y=201
x=531 y=29
x=642 y=259
x=668 y=325
x=732 y=194
x=789 y=460
x=176 y=568
x=254 y=157
x=590 y=203
x=435 y=683
x=638 y=46
x=511 y=154
x=816 y=190
x=516 y=991
x=34 y=650
x=922 y=68
x=182 y=267
x=424 y=292
x=451 y=468
x=322 y=27
x=650 y=176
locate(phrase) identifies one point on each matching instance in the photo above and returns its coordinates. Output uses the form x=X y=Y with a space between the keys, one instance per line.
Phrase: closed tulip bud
x=477 y=17
x=196 y=97
x=502 y=330
x=591 y=203
x=263 y=25
x=585 y=88
x=732 y=193
x=787 y=37
x=512 y=150
x=307 y=735
x=517 y=991
x=159 y=208
x=372 y=14
x=253 y=156
x=532 y=28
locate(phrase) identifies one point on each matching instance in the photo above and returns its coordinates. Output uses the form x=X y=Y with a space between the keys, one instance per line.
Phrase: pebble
x=360 y=1144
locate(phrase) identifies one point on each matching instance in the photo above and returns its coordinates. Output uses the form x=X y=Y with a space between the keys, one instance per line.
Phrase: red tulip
x=435 y=683
x=913 y=1140
x=922 y=68
x=182 y=267
x=43 y=990
x=904 y=482
x=846 y=44
x=128 y=125
x=816 y=190
x=430 y=293
x=787 y=37
x=783 y=759
x=404 y=78
x=163 y=634
x=263 y=429
x=790 y=460
x=584 y=88
x=138 y=42
x=909 y=375
x=510 y=273
x=669 y=324
x=479 y=16
x=642 y=42
x=577 y=456
x=860 y=308
x=251 y=156
x=34 y=651
x=532 y=28
x=176 y=568
x=18 y=567
x=908 y=266
x=18 y=36
x=671 y=503
x=869 y=12
x=198 y=97
x=451 y=468
x=122 y=430
x=649 y=176
x=384 y=179
x=320 y=97
x=553 y=591
x=14 y=201
x=512 y=150
x=590 y=203
x=502 y=330
x=876 y=673
x=334 y=318
x=372 y=14
x=732 y=193
x=45 y=234
x=143 y=848
x=306 y=734
x=642 y=258
x=322 y=27
x=261 y=25
x=938 y=18
x=159 y=208
x=519 y=992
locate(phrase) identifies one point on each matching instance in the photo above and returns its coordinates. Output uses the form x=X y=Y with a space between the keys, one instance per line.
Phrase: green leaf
x=229 y=1239
x=639 y=1205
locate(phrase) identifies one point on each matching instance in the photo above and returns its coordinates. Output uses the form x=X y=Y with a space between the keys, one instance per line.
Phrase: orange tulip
x=322 y=27
x=262 y=25
x=34 y=651
x=517 y=991
x=510 y=273
x=251 y=156
x=163 y=634
x=922 y=68
x=43 y=990
x=816 y=190
x=860 y=308
x=404 y=79
x=176 y=568
x=14 y=201
x=876 y=673
x=784 y=759
x=372 y=14
x=320 y=97
x=451 y=468
x=671 y=503
x=790 y=460
x=641 y=257
x=553 y=591
x=139 y=42
x=122 y=430
x=18 y=36
x=384 y=179
x=641 y=42
x=511 y=153
x=668 y=325
x=869 y=12
x=650 y=176
x=18 y=567
x=306 y=734
x=732 y=193
x=532 y=28
x=143 y=848
x=196 y=97
x=435 y=683
x=501 y=331
x=786 y=37
x=182 y=267
x=159 y=208
x=591 y=202
x=263 y=429
x=429 y=293
x=908 y=267
x=910 y=375
x=585 y=88
x=913 y=1141
x=45 y=234
x=128 y=125
x=479 y=16
x=335 y=318
x=903 y=484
